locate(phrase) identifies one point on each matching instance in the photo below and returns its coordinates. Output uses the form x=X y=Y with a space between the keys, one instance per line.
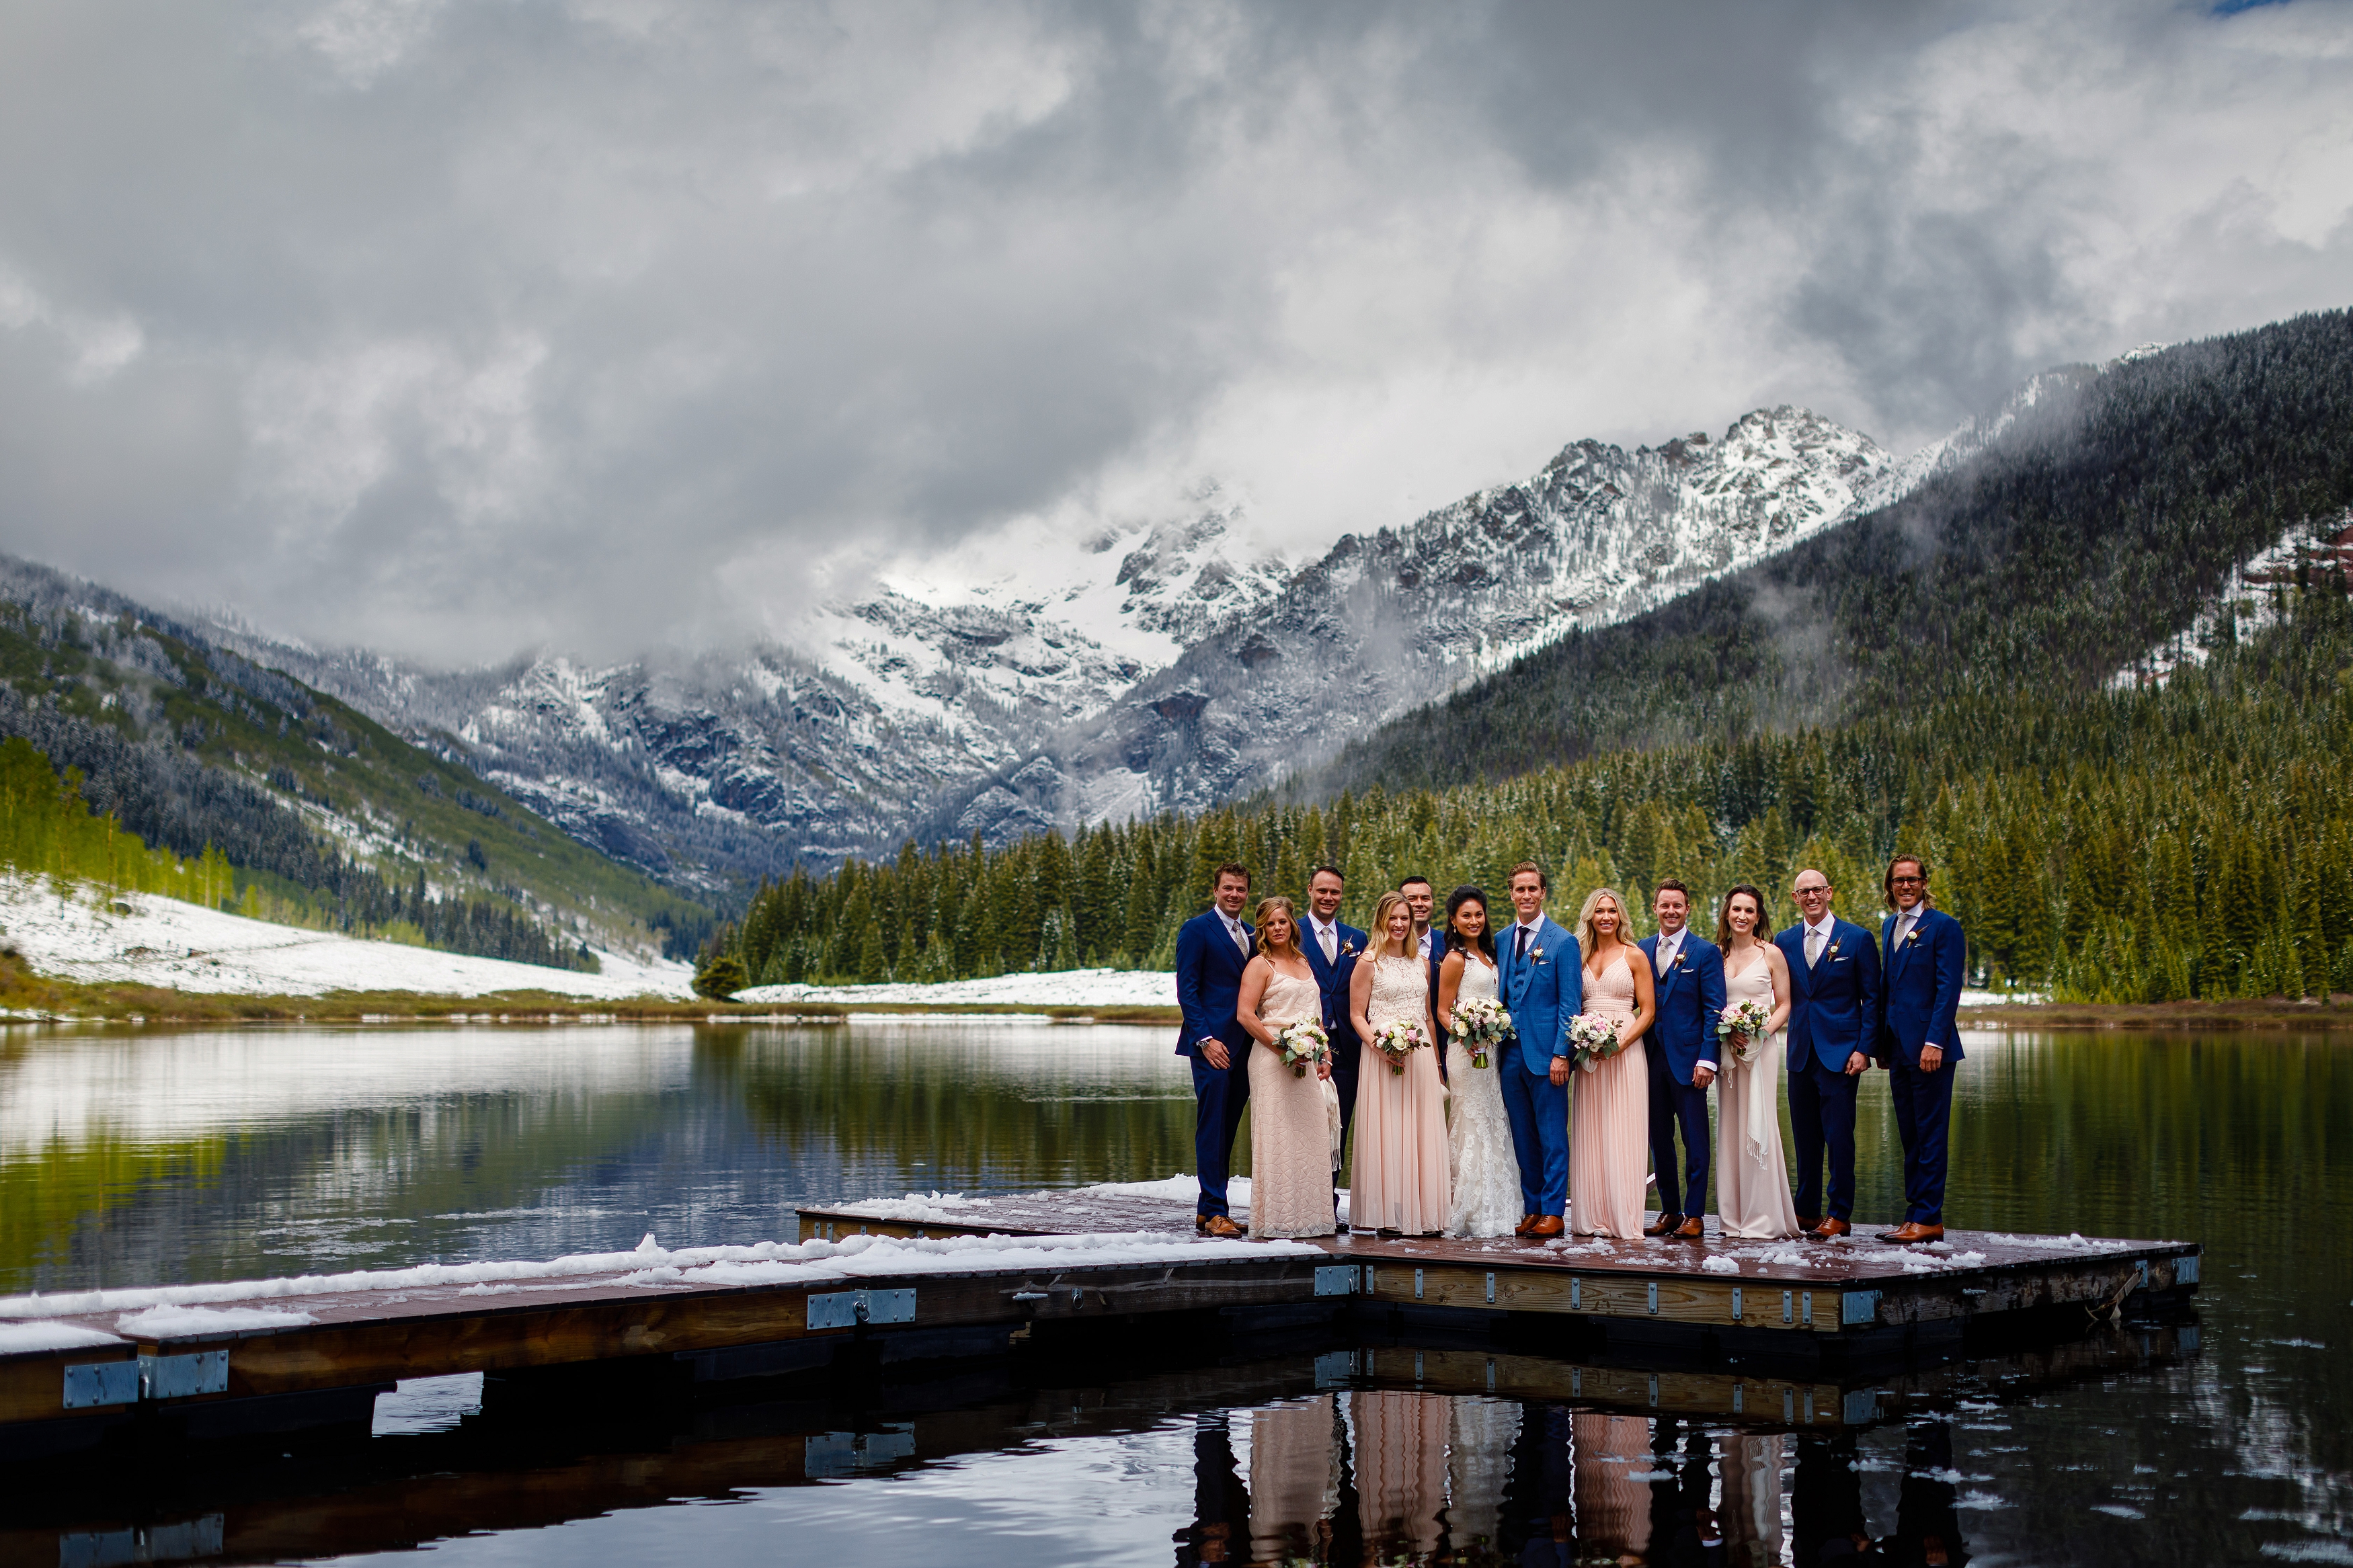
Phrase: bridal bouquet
x=1301 y=1044
x=1743 y=1031
x=1480 y=1023
x=1594 y=1038
x=1399 y=1041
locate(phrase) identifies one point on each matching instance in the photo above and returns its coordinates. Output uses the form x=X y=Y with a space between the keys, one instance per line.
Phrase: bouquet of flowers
x=1594 y=1039
x=1480 y=1023
x=1742 y=1028
x=1301 y=1044
x=1398 y=1040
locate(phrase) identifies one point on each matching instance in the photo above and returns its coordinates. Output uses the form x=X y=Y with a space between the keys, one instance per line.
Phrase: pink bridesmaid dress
x=1609 y=1119
x=1399 y=1180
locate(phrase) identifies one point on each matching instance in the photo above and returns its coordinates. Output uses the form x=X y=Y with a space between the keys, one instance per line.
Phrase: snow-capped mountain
x=1038 y=677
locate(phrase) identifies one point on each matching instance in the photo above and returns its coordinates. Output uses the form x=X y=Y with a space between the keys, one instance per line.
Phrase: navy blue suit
x=1543 y=992
x=1332 y=979
x=1691 y=999
x=1922 y=997
x=1834 y=1013
x=1208 y=992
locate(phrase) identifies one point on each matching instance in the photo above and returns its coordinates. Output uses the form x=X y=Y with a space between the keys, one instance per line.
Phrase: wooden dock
x=1804 y=1318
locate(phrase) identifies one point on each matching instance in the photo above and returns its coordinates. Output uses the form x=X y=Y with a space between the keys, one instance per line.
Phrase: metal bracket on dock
x=1335 y=1279
x=848 y=1309
x=2185 y=1271
x=102 y=1383
x=177 y=1376
x=1857 y=1307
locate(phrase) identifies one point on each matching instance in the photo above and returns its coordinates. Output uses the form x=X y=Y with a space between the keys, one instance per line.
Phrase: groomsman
x=1420 y=897
x=1332 y=949
x=1920 y=1040
x=1211 y=950
x=1543 y=987
x=1833 y=1022
x=1689 y=989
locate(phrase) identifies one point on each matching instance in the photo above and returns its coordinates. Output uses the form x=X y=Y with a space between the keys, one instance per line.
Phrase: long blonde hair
x=1267 y=906
x=1380 y=933
x=1588 y=939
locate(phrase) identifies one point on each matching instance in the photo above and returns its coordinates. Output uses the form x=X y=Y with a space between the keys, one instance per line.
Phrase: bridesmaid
x=1398 y=1183
x=1290 y=1147
x=1752 y=1178
x=1609 y=1119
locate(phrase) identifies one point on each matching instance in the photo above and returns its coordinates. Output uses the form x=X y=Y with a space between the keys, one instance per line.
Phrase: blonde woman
x=1398 y=1182
x=1609 y=1115
x=1291 y=1148
x=1752 y=1176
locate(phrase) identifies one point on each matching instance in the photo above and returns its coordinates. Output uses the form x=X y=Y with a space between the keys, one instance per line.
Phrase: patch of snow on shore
x=1058 y=988
x=186 y=947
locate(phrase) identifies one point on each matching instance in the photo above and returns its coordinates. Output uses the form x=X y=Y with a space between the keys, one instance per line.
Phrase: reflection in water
x=1472 y=1480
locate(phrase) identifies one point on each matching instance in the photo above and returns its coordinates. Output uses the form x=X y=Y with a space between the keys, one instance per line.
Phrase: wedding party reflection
x=1400 y=1477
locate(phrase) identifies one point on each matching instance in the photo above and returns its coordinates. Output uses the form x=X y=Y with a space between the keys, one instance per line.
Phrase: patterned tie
x=1242 y=940
x=1813 y=945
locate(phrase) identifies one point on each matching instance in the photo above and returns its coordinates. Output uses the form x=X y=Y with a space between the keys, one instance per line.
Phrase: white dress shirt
x=1669 y=946
x=1234 y=930
x=1327 y=937
x=1817 y=939
x=1905 y=920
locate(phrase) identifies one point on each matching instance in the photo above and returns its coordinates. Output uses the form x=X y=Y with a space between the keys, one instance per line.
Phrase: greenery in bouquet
x=1482 y=1024
x=1593 y=1040
x=1398 y=1040
x=1742 y=1029
x=1301 y=1043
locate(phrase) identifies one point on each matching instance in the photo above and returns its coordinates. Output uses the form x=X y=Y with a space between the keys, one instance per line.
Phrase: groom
x=1212 y=948
x=1920 y=1040
x=1689 y=988
x=1833 y=1024
x=1544 y=988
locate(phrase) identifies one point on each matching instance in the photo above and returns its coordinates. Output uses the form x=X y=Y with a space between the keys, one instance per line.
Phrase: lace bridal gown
x=1484 y=1173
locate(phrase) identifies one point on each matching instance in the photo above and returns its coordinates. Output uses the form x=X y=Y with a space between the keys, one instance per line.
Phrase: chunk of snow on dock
x=1716 y=1263
x=179 y=1322
x=21 y=1339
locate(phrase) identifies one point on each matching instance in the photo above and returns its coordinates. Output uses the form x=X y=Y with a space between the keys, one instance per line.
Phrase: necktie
x=1520 y=945
x=1813 y=945
x=1331 y=944
x=1666 y=957
x=1234 y=930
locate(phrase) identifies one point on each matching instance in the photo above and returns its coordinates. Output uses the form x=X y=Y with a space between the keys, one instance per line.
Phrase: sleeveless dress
x=1752 y=1178
x=1480 y=1164
x=1398 y=1180
x=1290 y=1150
x=1609 y=1119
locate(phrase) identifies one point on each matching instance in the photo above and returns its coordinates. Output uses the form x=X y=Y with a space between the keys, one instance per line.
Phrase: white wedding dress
x=1479 y=1159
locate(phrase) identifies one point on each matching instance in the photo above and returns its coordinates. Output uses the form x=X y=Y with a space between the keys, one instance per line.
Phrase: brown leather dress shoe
x=1546 y=1228
x=1664 y=1226
x=1217 y=1225
x=1691 y=1229
x=1828 y=1230
x=1912 y=1231
x=1525 y=1221
x=1808 y=1222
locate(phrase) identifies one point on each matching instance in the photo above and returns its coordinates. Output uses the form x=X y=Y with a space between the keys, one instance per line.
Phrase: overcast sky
x=461 y=328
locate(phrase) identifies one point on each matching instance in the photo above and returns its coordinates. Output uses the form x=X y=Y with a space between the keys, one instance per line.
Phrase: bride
x=1752 y=1178
x=1484 y=1176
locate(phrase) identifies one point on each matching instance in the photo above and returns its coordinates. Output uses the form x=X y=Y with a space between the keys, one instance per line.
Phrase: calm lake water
x=148 y=1156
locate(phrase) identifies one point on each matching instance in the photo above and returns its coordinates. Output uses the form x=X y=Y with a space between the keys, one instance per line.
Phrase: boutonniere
x=1535 y=953
x=1912 y=936
x=1833 y=951
x=1679 y=960
x=1347 y=949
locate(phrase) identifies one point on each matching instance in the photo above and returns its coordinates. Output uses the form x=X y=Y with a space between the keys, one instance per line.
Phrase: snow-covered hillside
x=166 y=942
x=2246 y=603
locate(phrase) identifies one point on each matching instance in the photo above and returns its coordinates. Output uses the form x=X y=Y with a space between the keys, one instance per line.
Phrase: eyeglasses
x=1813 y=892
x=1906 y=881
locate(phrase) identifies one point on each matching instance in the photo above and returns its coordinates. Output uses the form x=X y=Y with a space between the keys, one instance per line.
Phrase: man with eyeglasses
x=1833 y=1024
x=1920 y=1040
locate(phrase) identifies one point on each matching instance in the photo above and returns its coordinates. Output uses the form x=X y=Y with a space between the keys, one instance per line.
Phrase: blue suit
x=1834 y=1013
x=1543 y=992
x=1923 y=995
x=1332 y=979
x=1691 y=999
x=1208 y=992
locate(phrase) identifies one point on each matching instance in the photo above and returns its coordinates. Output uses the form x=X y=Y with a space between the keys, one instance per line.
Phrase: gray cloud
x=457 y=329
